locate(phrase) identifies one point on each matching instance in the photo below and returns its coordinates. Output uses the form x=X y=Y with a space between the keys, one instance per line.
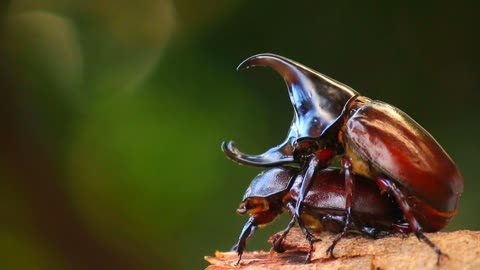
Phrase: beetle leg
x=312 y=166
x=347 y=166
x=386 y=185
x=250 y=226
x=277 y=245
x=307 y=178
x=247 y=232
x=242 y=235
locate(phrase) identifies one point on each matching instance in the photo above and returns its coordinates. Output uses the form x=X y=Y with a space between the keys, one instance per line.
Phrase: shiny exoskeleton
x=373 y=139
x=276 y=190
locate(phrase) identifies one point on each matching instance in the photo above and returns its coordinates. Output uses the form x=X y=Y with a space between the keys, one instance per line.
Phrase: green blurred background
x=112 y=114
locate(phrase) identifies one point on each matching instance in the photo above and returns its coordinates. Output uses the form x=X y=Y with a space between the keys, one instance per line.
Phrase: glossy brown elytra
x=374 y=140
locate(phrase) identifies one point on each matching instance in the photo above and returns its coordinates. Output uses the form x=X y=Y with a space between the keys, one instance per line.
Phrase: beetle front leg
x=307 y=179
x=347 y=166
x=244 y=236
x=247 y=232
x=251 y=225
x=387 y=185
x=295 y=211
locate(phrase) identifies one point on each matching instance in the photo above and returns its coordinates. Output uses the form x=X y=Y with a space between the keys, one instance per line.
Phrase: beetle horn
x=317 y=101
x=278 y=155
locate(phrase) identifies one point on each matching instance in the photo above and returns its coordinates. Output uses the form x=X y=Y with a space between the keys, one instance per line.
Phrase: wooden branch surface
x=359 y=252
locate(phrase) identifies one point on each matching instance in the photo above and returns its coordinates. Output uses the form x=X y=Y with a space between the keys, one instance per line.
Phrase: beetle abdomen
x=401 y=149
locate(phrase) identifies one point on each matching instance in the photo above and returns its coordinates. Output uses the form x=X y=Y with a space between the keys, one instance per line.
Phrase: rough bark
x=359 y=252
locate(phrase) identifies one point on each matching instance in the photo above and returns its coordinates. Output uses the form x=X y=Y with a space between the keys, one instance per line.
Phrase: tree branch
x=359 y=252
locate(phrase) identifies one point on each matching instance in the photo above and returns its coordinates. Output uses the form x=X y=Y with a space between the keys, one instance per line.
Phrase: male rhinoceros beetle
x=373 y=139
x=276 y=190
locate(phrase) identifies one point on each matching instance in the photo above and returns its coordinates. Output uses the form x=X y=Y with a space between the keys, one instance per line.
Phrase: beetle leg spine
x=312 y=166
x=246 y=233
x=387 y=185
x=347 y=166
x=277 y=244
x=308 y=235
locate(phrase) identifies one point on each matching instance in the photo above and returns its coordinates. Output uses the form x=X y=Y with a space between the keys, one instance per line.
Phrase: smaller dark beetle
x=276 y=190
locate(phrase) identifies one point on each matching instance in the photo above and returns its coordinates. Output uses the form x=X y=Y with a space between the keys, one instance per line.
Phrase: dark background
x=112 y=114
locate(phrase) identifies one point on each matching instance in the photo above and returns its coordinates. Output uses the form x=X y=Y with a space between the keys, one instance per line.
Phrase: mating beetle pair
x=376 y=142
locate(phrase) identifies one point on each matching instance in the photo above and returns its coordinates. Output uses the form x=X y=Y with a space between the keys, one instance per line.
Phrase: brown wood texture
x=359 y=252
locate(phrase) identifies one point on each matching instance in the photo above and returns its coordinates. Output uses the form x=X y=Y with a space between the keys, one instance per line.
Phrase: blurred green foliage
x=113 y=113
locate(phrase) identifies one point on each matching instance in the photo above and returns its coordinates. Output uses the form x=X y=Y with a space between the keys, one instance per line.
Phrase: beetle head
x=317 y=101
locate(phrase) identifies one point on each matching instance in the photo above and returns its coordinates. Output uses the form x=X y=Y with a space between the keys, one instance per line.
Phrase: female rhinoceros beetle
x=373 y=139
x=277 y=189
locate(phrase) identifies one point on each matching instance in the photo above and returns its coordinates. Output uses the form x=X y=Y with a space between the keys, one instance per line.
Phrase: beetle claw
x=329 y=251
x=440 y=256
x=239 y=259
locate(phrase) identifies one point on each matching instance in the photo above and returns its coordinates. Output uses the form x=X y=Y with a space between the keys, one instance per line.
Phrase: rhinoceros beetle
x=276 y=190
x=373 y=139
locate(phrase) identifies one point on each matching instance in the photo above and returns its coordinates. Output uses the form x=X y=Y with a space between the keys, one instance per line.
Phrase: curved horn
x=278 y=155
x=317 y=99
x=273 y=157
